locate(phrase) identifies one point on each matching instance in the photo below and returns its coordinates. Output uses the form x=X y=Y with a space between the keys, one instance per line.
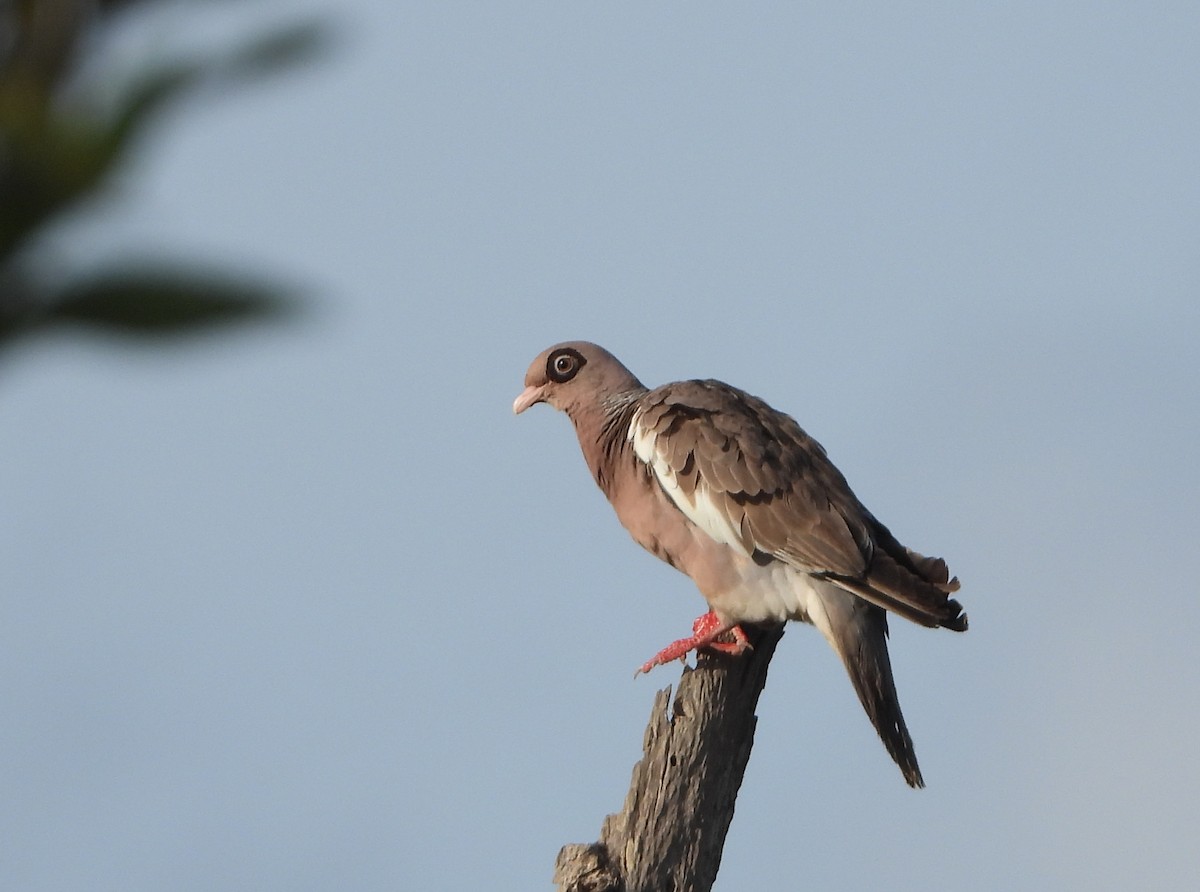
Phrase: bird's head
x=575 y=376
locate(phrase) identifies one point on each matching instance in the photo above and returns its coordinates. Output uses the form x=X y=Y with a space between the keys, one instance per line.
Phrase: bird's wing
x=751 y=478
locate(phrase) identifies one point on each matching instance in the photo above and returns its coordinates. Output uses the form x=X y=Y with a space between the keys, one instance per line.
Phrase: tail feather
x=858 y=633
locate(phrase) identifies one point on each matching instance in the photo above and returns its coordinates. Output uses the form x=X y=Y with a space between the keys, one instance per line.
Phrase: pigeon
x=737 y=496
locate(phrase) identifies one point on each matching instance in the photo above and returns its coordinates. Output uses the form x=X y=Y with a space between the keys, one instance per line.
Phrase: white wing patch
x=700 y=509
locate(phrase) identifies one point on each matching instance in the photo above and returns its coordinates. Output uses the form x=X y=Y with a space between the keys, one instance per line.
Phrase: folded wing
x=750 y=477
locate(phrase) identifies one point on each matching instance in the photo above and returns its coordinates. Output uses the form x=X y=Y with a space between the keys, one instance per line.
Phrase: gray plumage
x=737 y=496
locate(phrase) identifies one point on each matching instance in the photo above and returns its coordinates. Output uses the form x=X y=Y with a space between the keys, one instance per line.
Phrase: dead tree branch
x=670 y=834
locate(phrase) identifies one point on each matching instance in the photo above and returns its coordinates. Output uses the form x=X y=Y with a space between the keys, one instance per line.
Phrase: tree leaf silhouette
x=56 y=154
x=162 y=302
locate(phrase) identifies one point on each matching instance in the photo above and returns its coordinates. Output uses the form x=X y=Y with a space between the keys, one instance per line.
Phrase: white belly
x=771 y=593
x=776 y=593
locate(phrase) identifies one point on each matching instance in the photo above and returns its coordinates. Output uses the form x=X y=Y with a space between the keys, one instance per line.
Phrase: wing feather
x=742 y=471
x=751 y=478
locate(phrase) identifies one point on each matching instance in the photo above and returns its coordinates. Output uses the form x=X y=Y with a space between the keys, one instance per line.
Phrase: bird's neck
x=604 y=437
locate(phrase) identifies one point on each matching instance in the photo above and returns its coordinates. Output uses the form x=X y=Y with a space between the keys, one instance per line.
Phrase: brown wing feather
x=773 y=481
x=908 y=583
x=785 y=498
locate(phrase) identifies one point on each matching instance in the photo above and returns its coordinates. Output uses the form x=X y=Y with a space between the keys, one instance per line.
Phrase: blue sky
x=305 y=607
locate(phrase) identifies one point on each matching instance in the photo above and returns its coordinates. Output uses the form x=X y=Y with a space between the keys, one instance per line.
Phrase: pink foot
x=705 y=630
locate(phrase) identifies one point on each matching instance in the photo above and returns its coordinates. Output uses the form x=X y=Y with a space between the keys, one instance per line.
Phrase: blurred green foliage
x=59 y=149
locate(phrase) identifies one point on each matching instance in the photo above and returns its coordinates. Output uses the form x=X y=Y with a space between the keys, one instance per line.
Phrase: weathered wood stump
x=670 y=834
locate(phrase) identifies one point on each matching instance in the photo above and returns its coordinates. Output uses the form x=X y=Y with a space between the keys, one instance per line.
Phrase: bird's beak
x=529 y=396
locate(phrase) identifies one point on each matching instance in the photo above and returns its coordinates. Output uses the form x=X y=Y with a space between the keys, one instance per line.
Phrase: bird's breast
x=737 y=587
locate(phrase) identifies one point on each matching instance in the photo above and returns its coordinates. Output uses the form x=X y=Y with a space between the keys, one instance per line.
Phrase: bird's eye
x=564 y=365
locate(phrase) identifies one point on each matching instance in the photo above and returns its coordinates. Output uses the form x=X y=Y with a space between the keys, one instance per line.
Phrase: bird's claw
x=705 y=630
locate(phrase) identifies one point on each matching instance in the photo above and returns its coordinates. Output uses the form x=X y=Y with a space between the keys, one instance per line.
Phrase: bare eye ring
x=564 y=364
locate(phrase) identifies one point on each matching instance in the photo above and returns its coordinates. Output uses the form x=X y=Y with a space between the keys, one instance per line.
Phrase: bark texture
x=670 y=834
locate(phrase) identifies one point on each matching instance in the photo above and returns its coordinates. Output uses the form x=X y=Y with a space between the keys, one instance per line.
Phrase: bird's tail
x=858 y=632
